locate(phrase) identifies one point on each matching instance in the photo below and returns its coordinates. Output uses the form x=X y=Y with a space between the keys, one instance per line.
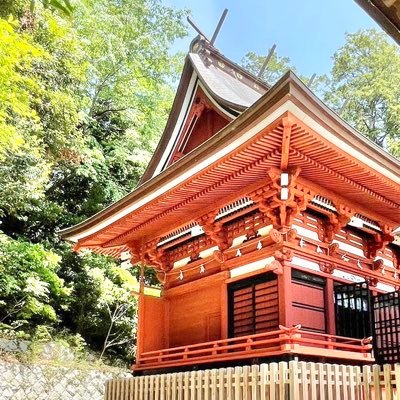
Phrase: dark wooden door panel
x=253 y=305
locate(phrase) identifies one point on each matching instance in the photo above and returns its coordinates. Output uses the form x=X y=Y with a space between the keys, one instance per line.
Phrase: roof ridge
x=204 y=49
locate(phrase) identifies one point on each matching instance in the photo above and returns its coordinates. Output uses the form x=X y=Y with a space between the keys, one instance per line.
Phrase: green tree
x=30 y=289
x=64 y=6
x=25 y=9
x=39 y=109
x=365 y=86
x=18 y=87
x=97 y=100
x=276 y=66
x=100 y=306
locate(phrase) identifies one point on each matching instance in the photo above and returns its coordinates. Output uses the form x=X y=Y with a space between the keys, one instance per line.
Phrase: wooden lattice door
x=253 y=305
x=386 y=316
x=353 y=310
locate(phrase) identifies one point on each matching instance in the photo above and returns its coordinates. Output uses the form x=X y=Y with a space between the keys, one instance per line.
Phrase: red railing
x=283 y=341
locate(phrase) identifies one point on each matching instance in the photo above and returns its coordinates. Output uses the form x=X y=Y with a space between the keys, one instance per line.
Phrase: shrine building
x=270 y=222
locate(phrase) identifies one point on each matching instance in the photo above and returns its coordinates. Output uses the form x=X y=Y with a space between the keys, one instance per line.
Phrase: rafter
x=287 y=130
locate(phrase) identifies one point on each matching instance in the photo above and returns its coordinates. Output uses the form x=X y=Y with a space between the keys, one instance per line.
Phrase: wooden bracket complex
x=335 y=222
x=275 y=266
x=135 y=250
x=151 y=257
x=281 y=209
x=378 y=241
x=326 y=267
x=156 y=257
x=283 y=255
x=216 y=231
x=396 y=257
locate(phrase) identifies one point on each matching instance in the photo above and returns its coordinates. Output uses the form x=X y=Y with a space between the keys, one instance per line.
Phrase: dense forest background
x=85 y=91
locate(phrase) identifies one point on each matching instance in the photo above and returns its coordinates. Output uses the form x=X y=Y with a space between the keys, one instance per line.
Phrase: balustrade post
x=185 y=353
x=249 y=342
x=329 y=344
x=215 y=349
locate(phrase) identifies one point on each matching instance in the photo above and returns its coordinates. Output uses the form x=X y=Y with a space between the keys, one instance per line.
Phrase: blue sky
x=307 y=31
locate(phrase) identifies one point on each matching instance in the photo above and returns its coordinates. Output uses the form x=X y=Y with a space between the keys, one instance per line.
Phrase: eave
x=237 y=158
x=386 y=13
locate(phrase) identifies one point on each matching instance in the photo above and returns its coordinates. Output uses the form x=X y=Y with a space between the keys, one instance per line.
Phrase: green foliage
x=99 y=286
x=365 y=86
x=64 y=6
x=18 y=88
x=276 y=68
x=30 y=289
x=39 y=111
x=83 y=102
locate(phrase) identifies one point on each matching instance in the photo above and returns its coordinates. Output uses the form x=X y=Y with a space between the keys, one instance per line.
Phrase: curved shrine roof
x=237 y=157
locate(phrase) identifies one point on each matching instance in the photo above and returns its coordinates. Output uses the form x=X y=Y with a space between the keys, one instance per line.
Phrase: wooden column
x=140 y=315
x=140 y=326
x=224 y=310
x=167 y=323
x=330 y=308
x=285 y=298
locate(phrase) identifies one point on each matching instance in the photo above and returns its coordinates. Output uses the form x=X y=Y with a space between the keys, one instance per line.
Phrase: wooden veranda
x=290 y=342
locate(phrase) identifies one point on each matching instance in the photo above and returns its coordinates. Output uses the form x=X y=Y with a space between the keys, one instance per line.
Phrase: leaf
x=62 y=5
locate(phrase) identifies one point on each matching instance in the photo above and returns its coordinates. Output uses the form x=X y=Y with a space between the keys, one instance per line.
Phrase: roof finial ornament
x=217 y=29
x=197 y=29
x=266 y=61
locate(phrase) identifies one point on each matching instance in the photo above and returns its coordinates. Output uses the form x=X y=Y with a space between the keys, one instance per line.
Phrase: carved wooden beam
x=335 y=222
x=326 y=267
x=378 y=265
x=156 y=257
x=283 y=255
x=378 y=241
x=275 y=266
x=281 y=211
x=333 y=249
x=216 y=231
x=396 y=257
x=373 y=281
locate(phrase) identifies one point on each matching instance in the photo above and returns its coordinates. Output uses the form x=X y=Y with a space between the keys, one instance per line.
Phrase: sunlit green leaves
x=18 y=87
x=29 y=284
x=64 y=6
x=366 y=86
x=84 y=101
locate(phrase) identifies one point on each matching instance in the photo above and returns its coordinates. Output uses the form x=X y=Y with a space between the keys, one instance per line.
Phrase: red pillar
x=330 y=308
x=140 y=326
x=224 y=311
x=285 y=298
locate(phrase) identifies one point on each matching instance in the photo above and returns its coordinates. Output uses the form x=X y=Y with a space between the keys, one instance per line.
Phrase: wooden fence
x=274 y=381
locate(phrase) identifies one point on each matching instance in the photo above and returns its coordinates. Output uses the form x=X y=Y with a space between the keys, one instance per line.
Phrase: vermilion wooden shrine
x=270 y=223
